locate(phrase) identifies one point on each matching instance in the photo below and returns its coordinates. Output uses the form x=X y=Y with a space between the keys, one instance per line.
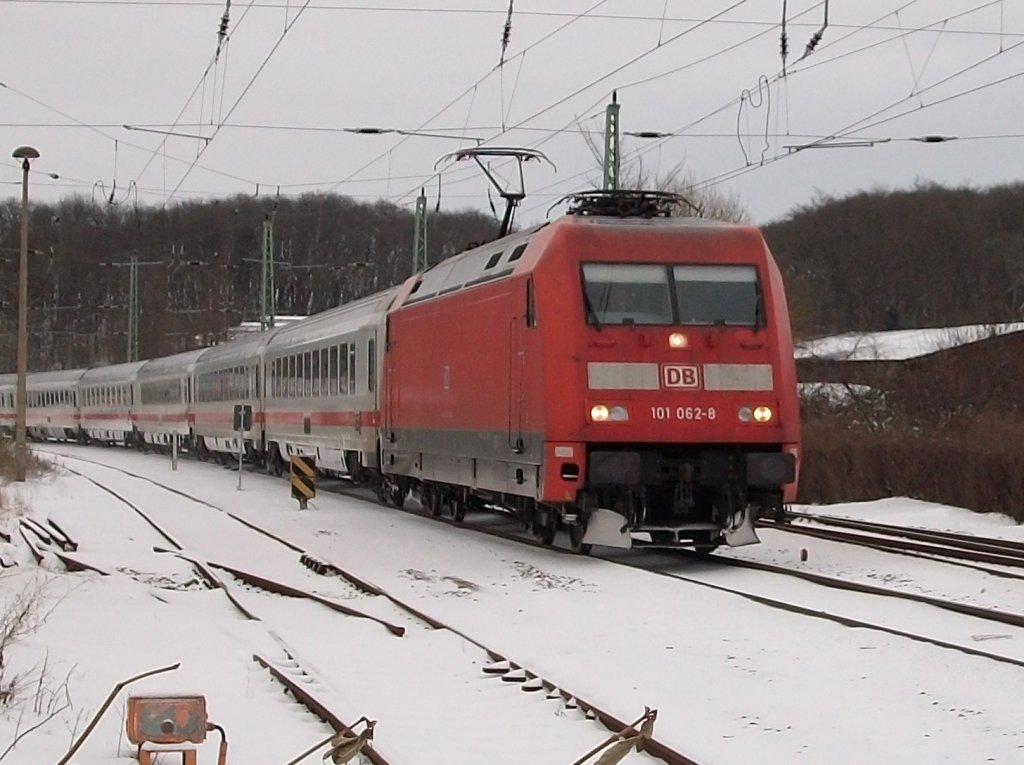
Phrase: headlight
x=602 y=413
x=758 y=414
x=678 y=340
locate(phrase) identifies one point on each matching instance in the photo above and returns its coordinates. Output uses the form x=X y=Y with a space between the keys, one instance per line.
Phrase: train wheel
x=458 y=508
x=397 y=495
x=544 y=527
x=705 y=548
x=576 y=534
x=275 y=463
x=380 y=489
x=433 y=501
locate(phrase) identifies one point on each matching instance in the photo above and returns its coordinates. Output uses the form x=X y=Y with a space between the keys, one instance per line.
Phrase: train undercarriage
x=691 y=497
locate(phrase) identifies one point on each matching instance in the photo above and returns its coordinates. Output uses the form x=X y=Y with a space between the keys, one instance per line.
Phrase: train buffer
x=303 y=478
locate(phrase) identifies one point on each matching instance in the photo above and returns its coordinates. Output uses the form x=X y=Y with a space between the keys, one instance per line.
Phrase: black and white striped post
x=303 y=475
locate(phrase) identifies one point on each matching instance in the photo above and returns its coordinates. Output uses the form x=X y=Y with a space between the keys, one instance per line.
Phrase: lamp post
x=24 y=153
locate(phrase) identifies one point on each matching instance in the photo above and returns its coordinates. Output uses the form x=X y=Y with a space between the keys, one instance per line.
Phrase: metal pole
x=174 y=451
x=611 y=144
x=241 y=447
x=133 y=309
x=267 y=276
x=20 y=454
x=419 y=242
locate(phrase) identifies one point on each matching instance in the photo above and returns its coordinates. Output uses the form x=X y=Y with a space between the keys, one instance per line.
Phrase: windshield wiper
x=591 y=313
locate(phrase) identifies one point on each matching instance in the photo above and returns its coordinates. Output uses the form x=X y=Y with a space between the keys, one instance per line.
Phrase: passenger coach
x=107 y=401
x=322 y=380
x=165 y=397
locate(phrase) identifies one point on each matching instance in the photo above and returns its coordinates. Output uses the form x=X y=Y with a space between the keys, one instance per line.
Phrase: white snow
x=734 y=681
x=899 y=345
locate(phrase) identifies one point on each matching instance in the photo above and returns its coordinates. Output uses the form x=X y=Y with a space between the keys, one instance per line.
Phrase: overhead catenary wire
x=241 y=96
x=472 y=89
x=161 y=147
x=783 y=40
x=606 y=75
x=715 y=180
x=870 y=25
x=812 y=44
x=223 y=122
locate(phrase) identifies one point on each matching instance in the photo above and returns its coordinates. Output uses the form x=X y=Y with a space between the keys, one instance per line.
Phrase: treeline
x=200 y=270
x=929 y=257
x=945 y=428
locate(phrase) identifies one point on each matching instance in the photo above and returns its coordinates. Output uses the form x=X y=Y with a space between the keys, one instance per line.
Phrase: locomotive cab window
x=724 y=295
x=620 y=293
x=702 y=295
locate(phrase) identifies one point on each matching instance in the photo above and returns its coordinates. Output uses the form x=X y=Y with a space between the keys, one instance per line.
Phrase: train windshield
x=621 y=293
x=729 y=295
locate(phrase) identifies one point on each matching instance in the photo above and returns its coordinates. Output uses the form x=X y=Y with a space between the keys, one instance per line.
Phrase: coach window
x=325 y=368
x=333 y=369
x=314 y=373
x=343 y=369
x=352 y=368
x=371 y=365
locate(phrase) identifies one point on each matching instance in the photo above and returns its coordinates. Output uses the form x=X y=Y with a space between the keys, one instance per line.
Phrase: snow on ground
x=735 y=682
x=916 y=513
x=899 y=345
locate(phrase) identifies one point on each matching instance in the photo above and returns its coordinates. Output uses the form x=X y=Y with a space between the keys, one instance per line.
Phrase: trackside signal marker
x=303 y=478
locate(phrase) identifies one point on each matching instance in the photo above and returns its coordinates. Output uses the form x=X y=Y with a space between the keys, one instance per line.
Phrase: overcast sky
x=290 y=77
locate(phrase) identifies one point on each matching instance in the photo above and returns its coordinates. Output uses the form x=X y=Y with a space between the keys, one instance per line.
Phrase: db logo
x=679 y=376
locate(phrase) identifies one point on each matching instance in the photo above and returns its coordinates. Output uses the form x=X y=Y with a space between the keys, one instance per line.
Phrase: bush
x=34 y=467
x=972 y=462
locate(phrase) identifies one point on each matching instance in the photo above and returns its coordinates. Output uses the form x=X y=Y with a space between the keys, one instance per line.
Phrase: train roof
x=58 y=378
x=484 y=263
x=118 y=373
x=241 y=350
x=500 y=258
x=335 y=321
x=179 y=363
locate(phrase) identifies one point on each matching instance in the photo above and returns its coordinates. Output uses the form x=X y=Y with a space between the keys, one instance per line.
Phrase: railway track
x=238 y=584
x=510 y=531
x=507 y=529
x=698 y=572
x=908 y=541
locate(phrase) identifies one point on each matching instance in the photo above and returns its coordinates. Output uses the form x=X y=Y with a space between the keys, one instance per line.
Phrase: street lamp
x=24 y=153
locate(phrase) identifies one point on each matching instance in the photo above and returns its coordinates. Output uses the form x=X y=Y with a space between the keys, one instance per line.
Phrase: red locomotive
x=614 y=371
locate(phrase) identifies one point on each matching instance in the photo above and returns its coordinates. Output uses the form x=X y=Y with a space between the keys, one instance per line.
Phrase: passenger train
x=619 y=373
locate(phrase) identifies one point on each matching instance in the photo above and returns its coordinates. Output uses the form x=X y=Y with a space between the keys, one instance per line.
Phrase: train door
x=517 y=373
x=389 y=396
